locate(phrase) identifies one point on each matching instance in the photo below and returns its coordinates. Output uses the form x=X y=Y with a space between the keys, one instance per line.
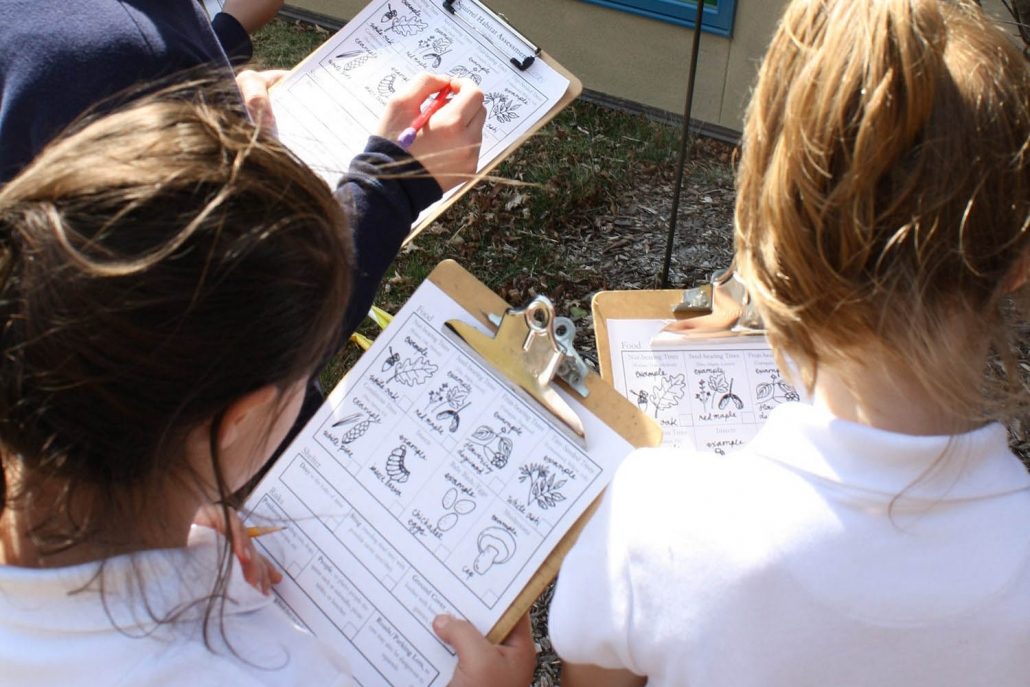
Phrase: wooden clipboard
x=603 y=401
x=629 y=305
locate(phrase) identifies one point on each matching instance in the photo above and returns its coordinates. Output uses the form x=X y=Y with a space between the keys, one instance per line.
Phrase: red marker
x=407 y=137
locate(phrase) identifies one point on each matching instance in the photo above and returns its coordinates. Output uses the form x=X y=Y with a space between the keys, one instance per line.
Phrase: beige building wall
x=635 y=58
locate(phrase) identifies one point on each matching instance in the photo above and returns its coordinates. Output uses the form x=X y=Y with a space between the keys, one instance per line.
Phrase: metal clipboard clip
x=505 y=33
x=722 y=307
x=531 y=347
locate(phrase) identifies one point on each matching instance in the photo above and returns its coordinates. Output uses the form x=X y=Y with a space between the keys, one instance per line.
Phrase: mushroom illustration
x=495 y=546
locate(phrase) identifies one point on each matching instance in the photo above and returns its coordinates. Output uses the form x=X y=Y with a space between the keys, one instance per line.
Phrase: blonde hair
x=884 y=193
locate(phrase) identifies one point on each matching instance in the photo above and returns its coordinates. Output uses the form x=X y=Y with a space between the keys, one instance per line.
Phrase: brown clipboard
x=603 y=401
x=629 y=305
x=575 y=88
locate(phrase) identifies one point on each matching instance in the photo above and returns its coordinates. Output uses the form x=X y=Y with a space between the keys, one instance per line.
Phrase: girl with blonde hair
x=879 y=535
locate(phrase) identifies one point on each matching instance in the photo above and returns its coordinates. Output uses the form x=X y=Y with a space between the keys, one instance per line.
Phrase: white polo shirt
x=824 y=553
x=53 y=634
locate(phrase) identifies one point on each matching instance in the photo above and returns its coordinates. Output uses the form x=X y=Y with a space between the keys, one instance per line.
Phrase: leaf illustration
x=413 y=372
x=463 y=72
x=431 y=60
x=349 y=54
x=717 y=381
x=669 y=393
x=409 y=26
x=483 y=434
x=505 y=111
x=464 y=506
x=764 y=392
x=456 y=395
x=350 y=419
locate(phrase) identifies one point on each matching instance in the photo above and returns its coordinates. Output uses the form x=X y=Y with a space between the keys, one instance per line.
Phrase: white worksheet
x=423 y=485
x=327 y=107
x=707 y=394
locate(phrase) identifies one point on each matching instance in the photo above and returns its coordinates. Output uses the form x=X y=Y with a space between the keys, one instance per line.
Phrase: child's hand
x=254 y=91
x=448 y=145
x=258 y=571
x=509 y=664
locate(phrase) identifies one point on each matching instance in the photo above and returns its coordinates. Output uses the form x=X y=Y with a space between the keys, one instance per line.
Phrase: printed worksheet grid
x=461 y=440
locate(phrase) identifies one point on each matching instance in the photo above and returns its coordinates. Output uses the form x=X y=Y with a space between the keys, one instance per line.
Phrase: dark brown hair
x=157 y=264
x=884 y=193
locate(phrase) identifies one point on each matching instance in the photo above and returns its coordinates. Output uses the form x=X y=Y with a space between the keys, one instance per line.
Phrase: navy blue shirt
x=58 y=58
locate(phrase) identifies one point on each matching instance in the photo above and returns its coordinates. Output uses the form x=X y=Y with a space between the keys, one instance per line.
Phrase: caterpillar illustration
x=387 y=87
x=395 y=468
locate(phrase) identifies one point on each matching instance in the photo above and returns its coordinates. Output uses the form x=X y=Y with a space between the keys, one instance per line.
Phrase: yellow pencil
x=254 y=532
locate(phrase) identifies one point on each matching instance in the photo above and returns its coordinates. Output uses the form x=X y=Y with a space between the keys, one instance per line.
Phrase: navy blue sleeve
x=52 y=71
x=382 y=194
x=234 y=38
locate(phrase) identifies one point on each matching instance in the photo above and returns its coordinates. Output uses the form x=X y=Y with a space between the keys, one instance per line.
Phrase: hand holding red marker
x=448 y=146
x=407 y=137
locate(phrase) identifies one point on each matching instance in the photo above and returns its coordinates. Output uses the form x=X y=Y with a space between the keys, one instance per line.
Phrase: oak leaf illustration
x=411 y=372
x=669 y=392
x=409 y=26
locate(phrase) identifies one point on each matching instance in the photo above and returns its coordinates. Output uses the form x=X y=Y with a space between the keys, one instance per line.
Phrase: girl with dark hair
x=169 y=276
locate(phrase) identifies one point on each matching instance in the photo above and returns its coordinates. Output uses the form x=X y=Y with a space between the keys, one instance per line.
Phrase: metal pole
x=683 y=144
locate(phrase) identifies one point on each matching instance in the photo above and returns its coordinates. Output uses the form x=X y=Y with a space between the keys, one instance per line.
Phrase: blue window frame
x=717 y=17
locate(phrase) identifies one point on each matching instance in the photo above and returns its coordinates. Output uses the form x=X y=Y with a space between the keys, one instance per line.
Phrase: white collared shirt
x=822 y=553
x=57 y=629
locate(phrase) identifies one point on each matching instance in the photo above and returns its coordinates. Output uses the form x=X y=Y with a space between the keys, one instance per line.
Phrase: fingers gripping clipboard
x=449 y=472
